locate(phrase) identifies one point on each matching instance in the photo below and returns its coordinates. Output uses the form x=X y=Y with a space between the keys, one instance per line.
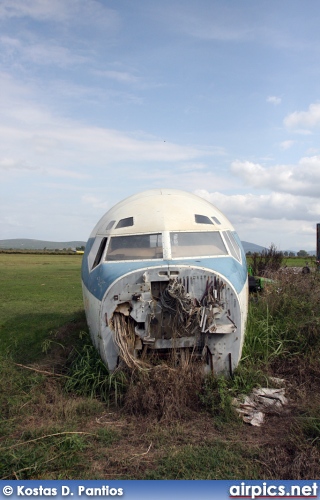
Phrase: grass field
x=52 y=429
x=299 y=261
x=40 y=293
x=295 y=261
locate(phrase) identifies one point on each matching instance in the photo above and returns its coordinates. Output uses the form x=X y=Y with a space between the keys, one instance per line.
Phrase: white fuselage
x=171 y=264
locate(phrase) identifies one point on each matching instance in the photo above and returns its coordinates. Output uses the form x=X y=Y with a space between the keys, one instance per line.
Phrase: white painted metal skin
x=146 y=248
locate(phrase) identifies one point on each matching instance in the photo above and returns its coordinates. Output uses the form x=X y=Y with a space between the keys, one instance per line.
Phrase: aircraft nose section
x=187 y=309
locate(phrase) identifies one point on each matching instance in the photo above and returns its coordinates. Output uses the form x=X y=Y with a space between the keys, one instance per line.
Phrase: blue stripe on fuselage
x=99 y=280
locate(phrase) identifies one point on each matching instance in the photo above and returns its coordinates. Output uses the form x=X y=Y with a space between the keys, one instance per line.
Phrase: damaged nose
x=172 y=310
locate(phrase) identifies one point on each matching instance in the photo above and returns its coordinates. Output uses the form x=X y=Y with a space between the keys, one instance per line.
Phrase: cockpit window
x=233 y=245
x=197 y=244
x=100 y=252
x=96 y=252
x=110 y=225
x=125 y=222
x=216 y=220
x=135 y=247
x=202 y=219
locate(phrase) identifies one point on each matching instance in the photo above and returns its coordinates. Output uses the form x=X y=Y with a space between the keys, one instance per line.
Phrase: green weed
x=309 y=424
x=214 y=460
x=266 y=336
x=88 y=375
x=37 y=456
x=216 y=397
x=107 y=436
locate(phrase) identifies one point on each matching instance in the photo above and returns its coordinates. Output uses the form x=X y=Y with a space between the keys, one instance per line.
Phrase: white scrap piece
x=279 y=382
x=270 y=398
x=261 y=401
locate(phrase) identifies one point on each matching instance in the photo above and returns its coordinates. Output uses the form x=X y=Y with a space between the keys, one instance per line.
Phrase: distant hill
x=28 y=244
x=24 y=243
x=252 y=247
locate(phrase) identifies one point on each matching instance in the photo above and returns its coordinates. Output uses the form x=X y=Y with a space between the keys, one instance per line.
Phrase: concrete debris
x=260 y=402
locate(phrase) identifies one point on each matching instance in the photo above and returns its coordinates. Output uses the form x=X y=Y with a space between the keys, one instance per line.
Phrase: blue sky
x=101 y=99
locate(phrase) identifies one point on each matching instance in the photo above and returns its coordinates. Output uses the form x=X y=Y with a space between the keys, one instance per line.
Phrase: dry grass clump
x=164 y=388
x=293 y=461
x=165 y=392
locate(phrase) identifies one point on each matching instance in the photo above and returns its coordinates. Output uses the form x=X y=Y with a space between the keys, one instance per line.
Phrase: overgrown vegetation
x=88 y=375
x=57 y=407
x=284 y=321
x=266 y=262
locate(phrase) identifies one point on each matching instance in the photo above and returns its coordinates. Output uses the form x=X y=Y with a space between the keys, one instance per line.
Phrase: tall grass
x=283 y=339
x=49 y=433
x=212 y=460
x=284 y=320
x=267 y=261
x=282 y=331
x=88 y=375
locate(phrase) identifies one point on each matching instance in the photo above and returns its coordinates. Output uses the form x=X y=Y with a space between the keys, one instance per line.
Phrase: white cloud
x=287 y=221
x=302 y=179
x=44 y=150
x=81 y=82
x=286 y=211
x=9 y=42
x=273 y=206
x=36 y=9
x=95 y=202
x=19 y=167
x=285 y=234
x=310 y=118
x=7 y=163
x=119 y=76
x=192 y=167
x=93 y=145
x=274 y=99
x=216 y=22
x=286 y=145
x=60 y=172
x=30 y=130
x=42 y=52
x=312 y=151
x=52 y=54
x=60 y=11
x=302 y=131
